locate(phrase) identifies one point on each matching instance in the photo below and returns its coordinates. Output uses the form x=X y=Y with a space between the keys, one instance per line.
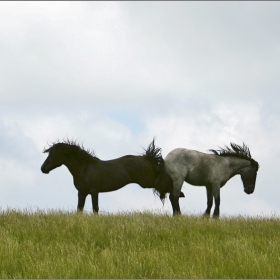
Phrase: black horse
x=92 y=175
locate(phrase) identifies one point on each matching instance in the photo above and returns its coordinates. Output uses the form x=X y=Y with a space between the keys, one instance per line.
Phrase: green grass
x=134 y=245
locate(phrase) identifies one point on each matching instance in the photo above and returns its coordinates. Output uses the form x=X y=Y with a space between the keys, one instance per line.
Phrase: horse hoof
x=206 y=216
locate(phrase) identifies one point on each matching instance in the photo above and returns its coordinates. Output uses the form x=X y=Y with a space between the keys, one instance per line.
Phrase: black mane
x=236 y=151
x=71 y=147
x=153 y=154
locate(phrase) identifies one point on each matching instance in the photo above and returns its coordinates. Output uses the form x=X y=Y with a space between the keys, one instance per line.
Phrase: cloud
x=115 y=74
x=88 y=50
x=210 y=49
x=13 y=173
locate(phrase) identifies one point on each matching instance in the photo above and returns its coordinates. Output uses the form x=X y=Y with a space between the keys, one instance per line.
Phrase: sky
x=113 y=75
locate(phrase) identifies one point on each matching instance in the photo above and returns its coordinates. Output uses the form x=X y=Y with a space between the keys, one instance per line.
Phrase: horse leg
x=94 y=199
x=174 y=197
x=216 y=193
x=209 y=201
x=81 y=201
x=175 y=204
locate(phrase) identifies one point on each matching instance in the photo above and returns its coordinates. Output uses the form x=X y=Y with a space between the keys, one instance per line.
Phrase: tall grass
x=134 y=245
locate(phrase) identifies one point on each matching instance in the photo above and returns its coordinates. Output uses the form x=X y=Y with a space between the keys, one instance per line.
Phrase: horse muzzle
x=249 y=190
x=44 y=171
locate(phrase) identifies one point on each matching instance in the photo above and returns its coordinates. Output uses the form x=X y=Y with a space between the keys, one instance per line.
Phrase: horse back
x=194 y=167
x=116 y=173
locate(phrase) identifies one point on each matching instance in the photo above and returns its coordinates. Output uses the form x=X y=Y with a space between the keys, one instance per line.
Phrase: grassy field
x=134 y=245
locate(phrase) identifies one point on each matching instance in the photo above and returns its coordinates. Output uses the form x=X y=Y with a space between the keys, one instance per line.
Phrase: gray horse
x=211 y=171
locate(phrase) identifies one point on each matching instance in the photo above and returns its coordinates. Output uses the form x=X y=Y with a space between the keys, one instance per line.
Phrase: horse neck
x=238 y=164
x=75 y=166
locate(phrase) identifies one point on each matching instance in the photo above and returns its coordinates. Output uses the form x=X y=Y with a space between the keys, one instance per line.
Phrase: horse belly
x=113 y=182
x=196 y=179
x=110 y=187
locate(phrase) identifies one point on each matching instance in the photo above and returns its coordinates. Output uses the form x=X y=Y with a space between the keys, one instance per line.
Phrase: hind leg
x=174 y=197
x=94 y=199
x=175 y=204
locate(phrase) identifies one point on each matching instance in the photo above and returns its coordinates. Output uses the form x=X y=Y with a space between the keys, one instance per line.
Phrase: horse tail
x=163 y=183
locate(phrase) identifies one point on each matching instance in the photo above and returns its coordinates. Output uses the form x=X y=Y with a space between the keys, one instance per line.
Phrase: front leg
x=94 y=199
x=81 y=201
x=209 y=201
x=216 y=193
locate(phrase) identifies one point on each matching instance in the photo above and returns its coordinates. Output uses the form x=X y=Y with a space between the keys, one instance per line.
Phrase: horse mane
x=236 y=151
x=154 y=156
x=71 y=147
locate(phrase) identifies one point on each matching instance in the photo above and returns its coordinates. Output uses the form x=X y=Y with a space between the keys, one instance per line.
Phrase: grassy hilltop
x=134 y=245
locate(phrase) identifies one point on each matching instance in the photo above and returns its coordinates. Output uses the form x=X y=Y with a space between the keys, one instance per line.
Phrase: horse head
x=55 y=158
x=248 y=177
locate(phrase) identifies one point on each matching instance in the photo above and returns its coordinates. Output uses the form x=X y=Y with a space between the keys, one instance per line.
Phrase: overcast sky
x=113 y=75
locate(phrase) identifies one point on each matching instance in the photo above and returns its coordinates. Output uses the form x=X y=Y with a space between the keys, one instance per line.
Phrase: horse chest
x=82 y=185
